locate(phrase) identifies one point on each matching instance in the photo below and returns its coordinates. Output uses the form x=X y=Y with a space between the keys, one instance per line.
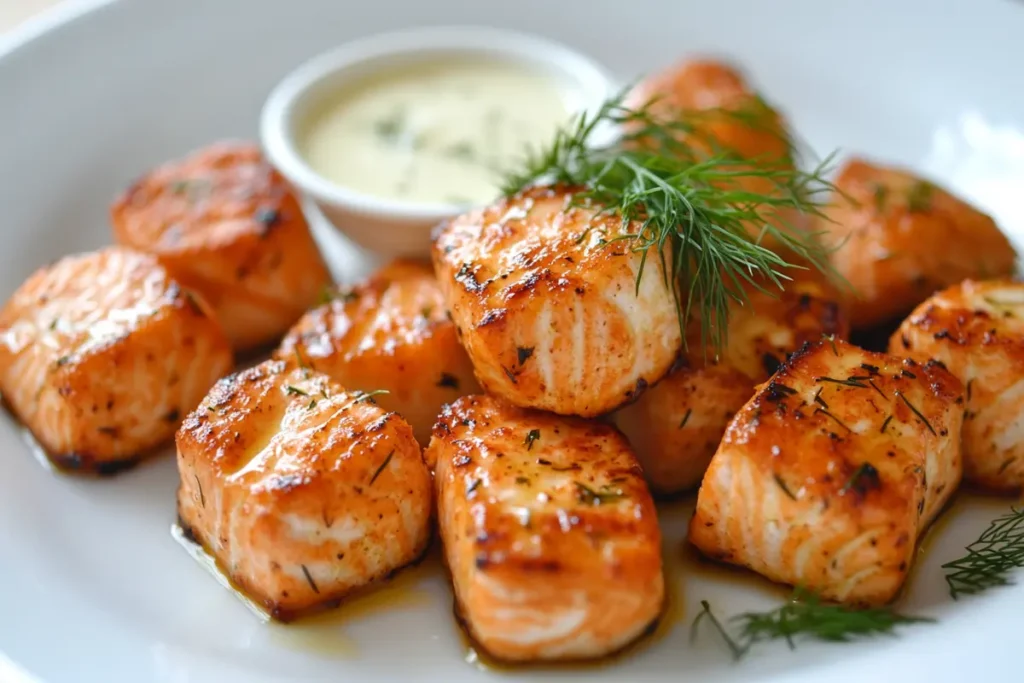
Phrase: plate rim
x=53 y=20
x=46 y=20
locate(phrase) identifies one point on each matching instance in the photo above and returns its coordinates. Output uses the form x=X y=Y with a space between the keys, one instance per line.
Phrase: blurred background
x=13 y=12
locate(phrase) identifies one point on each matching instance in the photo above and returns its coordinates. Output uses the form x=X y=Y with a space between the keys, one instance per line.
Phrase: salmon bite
x=392 y=333
x=544 y=295
x=303 y=492
x=226 y=224
x=102 y=354
x=549 y=531
x=832 y=471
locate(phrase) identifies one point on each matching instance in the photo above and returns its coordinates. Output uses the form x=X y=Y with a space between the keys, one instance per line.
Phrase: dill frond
x=990 y=559
x=686 y=191
x=804 y=616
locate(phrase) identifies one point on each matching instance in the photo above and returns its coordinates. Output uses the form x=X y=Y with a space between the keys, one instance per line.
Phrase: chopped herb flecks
x=202 y=496
x=832 y=417
x=919 y=197
x=819 y=400
x=300 y=360
x=917 y=412
x=309 y=579
x=783 y=486
x=333 y=293
x=865 y=478
x=881 y=193
x=383 y=466
x=363 y=396
x=448 y=380
x=875 y=387
x=585 y=494
x=851 y=382
x=885 y=423
x=391 y=128
x=523 y=353
x=831 y=338
x=463 y=151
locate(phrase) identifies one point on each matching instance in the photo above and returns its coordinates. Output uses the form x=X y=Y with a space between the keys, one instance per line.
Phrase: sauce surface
x=435 y=132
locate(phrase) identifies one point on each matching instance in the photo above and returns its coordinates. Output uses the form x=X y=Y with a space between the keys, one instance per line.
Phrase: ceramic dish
x=388 y=227
x=93 y=587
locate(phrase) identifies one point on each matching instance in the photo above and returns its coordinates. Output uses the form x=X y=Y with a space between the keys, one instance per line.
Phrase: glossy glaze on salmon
x=549 y=531
x=977 y=330
x=226 y=224
x=102 y=354
x=304 y=492
x=676 y=426
x=828 y=476
x=393 y=333
x=545 y=300
x=901 y=237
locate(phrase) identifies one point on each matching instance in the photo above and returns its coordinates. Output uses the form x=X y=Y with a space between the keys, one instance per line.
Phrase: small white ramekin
x=393 y=228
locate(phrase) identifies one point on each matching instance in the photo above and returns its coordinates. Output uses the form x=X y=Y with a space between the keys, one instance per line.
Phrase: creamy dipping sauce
x=435 y=132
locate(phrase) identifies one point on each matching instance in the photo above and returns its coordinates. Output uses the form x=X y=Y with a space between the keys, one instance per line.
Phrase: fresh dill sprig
x=737 y=650
x=990 y=559
x=804 y=616
x=684 y=189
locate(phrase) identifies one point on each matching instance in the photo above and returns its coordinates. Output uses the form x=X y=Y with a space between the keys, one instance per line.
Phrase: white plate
x=92 y=586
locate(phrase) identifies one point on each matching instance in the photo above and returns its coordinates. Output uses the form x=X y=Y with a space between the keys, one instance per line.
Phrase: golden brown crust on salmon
x=773 y=324
x=226 y=224
x=828 y=476
x=549 y=531
x=901 y=238
x=976 y=329
x=302 y=491
x=678 y=423
x=392 y=333
x=676 y=426
x=545 y=300
x=102 y=353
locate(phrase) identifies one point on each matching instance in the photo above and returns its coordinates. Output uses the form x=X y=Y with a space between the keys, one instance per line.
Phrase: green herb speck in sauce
x=391 y=128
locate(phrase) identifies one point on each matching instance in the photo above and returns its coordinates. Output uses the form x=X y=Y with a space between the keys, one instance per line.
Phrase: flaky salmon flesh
x=977 y=330
x=900 y=237
x=546 y=302
x=549 y=531
x=227 y=225
x=303 y=492
x=102 y=354
x=827 y=477
x=676 y=425
x=389 y=333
